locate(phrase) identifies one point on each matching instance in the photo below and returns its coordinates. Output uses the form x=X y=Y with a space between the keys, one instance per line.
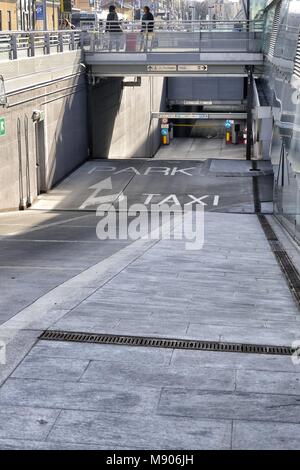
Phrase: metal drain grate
x=286 y=264
x=171 y=343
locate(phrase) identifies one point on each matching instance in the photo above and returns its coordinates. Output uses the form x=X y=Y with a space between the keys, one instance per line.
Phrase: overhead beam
x=200 y=116
x=122 y=70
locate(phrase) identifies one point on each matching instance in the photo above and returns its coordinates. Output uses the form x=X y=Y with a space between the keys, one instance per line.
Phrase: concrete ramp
x=225 y=186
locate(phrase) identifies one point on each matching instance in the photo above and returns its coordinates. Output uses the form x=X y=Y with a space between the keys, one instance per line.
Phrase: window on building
x=0 y=20
x=9 y=22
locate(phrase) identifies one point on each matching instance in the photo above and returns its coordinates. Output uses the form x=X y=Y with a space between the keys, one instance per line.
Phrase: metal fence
x=19 y=44
x=176 y=36
x=137 y=37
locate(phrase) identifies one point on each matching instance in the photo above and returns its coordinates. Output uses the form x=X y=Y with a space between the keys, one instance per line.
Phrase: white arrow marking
x=94 y=199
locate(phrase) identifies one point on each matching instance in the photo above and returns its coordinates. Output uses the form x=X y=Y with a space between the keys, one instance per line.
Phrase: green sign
x=2 y=127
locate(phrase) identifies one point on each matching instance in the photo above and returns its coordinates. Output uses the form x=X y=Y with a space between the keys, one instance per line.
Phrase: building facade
x=86 y=5
x=28 y=15
x=8 y=15
x=281 y=91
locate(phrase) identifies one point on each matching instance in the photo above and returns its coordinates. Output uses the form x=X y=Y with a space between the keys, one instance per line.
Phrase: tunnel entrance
x=206 y=117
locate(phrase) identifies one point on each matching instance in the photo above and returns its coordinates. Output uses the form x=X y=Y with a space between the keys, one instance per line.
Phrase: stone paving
x=58 y=395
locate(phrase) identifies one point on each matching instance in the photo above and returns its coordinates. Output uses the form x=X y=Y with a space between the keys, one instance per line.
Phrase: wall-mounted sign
x=192 y=68
x=212 y=115
x=40 y=12
x=162 y=68
x=229 y=123
x=2 y=127
x=177 y=68
x=180 y=115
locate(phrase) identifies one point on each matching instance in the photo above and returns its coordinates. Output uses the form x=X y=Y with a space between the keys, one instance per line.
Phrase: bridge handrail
x=28 y=43
x=14 y=44
x=175 y=25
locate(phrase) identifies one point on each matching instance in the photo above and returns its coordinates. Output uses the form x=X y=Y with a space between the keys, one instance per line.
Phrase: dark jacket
x=148 y=22
x=113 y=23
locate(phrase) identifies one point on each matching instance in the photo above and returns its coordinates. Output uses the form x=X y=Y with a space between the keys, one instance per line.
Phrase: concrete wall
x=120 y=117
x=61 y=136
x=5 y=7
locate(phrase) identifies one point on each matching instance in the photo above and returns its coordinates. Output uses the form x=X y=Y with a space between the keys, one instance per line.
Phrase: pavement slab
x=161 y=432
x=229 y=405
x=26 y=422
x=255 y=435
x=76 y=396
x=56 y=274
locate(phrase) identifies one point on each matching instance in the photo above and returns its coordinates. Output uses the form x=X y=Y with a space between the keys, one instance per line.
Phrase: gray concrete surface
x=224 y=189
x=56 y=274
x=200 y=149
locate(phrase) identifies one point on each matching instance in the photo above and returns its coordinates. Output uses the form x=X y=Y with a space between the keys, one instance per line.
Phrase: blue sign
x=40 y=12
x=227 y=124
x=164 y=132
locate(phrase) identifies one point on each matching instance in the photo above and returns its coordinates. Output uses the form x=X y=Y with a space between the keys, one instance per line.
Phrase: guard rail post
x=72 y=41
x=46 y=43
x=31 y=48
x=60 y=45
x=13 y=47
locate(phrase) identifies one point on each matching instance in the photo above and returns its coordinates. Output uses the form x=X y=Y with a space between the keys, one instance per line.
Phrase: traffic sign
x=192 y=68
x=164 y=126
x=2 y=127
x=165 y=120
x=177 y=68
x=164 y=131
x=229 y=123
x=161 y=68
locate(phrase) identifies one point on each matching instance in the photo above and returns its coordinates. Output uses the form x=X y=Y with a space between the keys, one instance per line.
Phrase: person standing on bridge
x=147 y=29
x=114 y=29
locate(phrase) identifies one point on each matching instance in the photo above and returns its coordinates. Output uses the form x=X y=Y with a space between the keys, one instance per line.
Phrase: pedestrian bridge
x=172 y=48
x=176 y=48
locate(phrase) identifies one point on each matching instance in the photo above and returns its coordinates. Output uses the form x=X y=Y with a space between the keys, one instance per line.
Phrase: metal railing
x=138 y=36
x=19 y=44
x=182 y=26
x=176 y=36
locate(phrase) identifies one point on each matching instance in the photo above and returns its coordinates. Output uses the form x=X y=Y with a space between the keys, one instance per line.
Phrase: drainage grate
x=171 y=343
x=286 y=264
